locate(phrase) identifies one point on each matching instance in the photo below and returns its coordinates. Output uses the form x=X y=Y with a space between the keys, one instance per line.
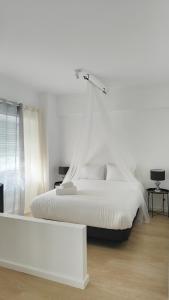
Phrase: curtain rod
x=9 y=102
x=3 y=100
x=81 y=74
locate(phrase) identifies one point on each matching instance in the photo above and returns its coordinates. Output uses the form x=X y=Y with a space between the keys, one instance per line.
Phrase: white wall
x=14 y=90
x=140 y=115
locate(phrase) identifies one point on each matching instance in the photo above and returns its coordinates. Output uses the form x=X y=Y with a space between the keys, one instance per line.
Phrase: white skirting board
x=53 y=250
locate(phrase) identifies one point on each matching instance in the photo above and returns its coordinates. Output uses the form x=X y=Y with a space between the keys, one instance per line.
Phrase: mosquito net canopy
x=98 y=143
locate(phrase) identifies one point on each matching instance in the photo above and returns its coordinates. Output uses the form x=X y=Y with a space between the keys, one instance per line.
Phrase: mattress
x=98 y=203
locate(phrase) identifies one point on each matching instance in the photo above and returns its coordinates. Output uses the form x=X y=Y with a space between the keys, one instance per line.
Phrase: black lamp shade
x=63 y=170
x=157 y=174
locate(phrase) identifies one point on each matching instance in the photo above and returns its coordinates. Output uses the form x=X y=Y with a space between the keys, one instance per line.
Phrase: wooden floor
x=134 y=270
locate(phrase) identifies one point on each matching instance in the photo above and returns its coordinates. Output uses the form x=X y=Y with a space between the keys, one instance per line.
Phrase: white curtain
x=12 y=156
x=35 y=156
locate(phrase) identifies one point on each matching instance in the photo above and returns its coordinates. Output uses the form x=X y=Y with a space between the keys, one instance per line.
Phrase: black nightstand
x=57 y=183
x=164 y=193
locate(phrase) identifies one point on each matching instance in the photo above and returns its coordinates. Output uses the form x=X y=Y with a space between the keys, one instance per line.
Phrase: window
x=10 y=143
x=22 y=157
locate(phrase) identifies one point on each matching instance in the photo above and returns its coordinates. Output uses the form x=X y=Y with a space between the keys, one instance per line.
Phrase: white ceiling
x=121 y=41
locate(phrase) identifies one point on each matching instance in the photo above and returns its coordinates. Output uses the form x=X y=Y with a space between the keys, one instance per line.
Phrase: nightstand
x=57 y=183
x=163 y=193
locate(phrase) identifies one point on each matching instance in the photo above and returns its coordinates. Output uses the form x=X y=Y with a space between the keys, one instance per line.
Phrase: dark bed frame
x=110 y=234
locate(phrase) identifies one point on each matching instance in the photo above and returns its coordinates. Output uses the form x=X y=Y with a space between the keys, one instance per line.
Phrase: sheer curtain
x=12 y=156
x=35 y=156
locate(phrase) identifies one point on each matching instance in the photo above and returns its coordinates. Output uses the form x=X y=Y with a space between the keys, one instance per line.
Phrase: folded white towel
x=67 y=191
x=66 y=185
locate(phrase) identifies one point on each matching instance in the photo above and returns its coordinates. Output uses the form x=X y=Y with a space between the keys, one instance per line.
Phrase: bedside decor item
x=1 y=198
x=163 y=194
x=57 y=183
x=157 y=175
x=63 y=171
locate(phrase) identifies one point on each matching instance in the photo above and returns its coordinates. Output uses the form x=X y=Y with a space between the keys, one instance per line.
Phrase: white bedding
x=98 y=203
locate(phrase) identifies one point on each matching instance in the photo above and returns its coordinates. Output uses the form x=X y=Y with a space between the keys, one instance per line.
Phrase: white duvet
x=98 y=203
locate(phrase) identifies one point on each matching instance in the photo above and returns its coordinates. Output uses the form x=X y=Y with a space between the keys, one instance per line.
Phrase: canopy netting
x=97 y=143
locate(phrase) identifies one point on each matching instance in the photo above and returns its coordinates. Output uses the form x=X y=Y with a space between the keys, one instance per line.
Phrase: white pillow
x=92 y=172
x=113 y=173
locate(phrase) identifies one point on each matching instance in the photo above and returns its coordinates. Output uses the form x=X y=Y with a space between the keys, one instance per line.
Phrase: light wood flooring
x=134 y=270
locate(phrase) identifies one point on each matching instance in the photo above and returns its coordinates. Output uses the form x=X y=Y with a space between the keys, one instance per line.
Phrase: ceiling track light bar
x=81 y=74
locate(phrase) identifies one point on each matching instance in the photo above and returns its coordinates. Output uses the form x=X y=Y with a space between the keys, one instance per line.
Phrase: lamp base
x=157 y=183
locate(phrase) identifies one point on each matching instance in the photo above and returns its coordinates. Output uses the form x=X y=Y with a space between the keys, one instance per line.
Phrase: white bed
x=98 y=203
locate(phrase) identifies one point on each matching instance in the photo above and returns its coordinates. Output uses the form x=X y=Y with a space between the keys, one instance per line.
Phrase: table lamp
x=157 y=175
x=63 y=171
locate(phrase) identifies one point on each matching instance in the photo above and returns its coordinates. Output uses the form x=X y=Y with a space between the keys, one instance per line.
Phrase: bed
x=108 y=208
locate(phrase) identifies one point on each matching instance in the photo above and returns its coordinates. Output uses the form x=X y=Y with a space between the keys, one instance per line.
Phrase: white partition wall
x=48 y=249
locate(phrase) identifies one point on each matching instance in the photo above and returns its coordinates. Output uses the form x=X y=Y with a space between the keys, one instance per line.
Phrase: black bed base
x=110 y=234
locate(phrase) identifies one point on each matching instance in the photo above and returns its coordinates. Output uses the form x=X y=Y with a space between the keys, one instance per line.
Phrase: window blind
x=10 y=166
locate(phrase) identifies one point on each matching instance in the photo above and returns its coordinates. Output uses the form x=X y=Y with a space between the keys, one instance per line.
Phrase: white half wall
x=53 y=250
